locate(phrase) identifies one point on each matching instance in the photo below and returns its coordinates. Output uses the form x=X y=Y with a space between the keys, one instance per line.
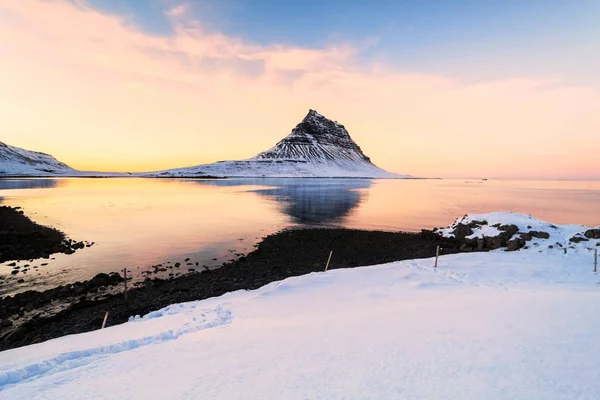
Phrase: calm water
x=141 y=222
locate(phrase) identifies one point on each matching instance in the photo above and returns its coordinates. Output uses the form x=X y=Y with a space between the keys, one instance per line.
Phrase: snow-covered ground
x=496 y=325
x=253 y=168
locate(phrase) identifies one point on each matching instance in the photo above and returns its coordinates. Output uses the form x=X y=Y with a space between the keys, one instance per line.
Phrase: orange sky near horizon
x=98 y=94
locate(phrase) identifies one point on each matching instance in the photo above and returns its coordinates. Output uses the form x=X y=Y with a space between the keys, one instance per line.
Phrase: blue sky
x=492 y=88
x=468 y=39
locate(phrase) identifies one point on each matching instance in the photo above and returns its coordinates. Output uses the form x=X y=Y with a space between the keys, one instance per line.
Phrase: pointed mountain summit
x=317 y=147
x=316 y=138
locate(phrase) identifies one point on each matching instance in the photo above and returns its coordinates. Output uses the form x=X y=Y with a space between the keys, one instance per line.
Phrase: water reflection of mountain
x=32 y=183
x=307 y=201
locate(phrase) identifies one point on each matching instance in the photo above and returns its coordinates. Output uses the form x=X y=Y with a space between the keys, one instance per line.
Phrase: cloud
x=100 y=94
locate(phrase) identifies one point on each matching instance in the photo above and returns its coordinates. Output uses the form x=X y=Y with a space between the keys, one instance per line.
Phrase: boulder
x=495 y=242
x=578 y=239
x=515 y=244
x=480 y=243
x=509 y=229
x=592 y=234
x=525 y=236
x=461 y=231
x=540 y=235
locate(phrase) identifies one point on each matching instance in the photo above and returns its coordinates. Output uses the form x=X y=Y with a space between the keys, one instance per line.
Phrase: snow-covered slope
x=493 y=325
x=316 y=147
x=17 y=161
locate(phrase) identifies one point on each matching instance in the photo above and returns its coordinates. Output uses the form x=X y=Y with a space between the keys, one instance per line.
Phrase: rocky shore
x=278 y=256
x=35 y=316
x=23 y=239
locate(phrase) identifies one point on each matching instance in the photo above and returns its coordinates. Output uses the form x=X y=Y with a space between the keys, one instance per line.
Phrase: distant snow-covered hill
x=316 y=147
x=17 y=161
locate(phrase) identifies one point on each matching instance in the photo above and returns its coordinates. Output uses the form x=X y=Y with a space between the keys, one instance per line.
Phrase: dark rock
x=471 y=242
x=5 y=323
x=539 y=234
x=515 y=244
x=14 y=271
x=496 y=242
x=525 y=236
x=101 y=279
x=592 y=234
x=480 y=243
x=12 y=264
x=465 y=247
x=477 y=224
x=578 y=239
x=461 y=231
x=509 y=229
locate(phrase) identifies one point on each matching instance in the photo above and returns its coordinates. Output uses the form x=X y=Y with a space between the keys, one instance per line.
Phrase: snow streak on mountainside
x=17 y=161
x=316 y=138
x=316 y=147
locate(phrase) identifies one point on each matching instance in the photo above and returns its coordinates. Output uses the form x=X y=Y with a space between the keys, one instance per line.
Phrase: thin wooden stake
x=595 y=260
x=329 y=259
x=437 y=254
x=104 y=322
x=125 y=282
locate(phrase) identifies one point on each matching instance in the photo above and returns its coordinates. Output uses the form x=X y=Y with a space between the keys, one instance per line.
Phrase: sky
x=457 y=88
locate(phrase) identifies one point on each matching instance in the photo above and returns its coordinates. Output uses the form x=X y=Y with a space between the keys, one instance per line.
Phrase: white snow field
x=496 y=325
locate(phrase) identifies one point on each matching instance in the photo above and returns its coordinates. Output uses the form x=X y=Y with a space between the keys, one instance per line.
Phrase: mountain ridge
x=18 y=161
x=316 y=148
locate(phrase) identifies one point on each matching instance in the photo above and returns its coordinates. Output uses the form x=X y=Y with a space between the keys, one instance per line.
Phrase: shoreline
x=22 y=239
x=281 y=255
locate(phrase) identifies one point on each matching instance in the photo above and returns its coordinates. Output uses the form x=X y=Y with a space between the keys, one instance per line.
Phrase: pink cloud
x=99 y=94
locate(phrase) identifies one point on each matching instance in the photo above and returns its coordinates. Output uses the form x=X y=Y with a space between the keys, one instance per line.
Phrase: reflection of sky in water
x=142 y=222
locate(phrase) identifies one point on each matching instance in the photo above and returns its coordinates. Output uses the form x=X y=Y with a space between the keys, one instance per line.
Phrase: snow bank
x=495 y=325
x=517 y=227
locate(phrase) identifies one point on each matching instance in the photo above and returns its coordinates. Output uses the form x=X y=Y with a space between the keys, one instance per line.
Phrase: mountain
x=17 y=161
x=316 y=147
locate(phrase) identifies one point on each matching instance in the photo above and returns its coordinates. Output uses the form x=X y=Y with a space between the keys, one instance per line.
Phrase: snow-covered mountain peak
x=316 y=138
x=18 y=161
x=317 y=147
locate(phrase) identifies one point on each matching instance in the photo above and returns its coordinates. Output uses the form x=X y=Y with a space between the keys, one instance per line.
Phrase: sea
x=137 y=223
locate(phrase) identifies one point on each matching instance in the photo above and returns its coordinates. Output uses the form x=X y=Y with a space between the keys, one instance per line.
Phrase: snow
x=18 y=161
x=559 y=234
x=281 y=169
x=494 y=325
x=15 y=161
x=329 y=153
x=316 y=148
